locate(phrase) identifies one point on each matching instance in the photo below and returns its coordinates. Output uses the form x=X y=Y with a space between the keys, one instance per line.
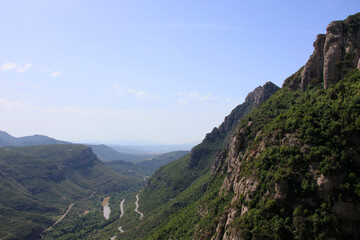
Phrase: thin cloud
x=24 y=68
x=207 y=97
x=179 y=94
x=161 y=43
x=139 y=94
x=55 y=74
x=185 y=97
x=8 y=66
x=183 y=101
x=10 y=104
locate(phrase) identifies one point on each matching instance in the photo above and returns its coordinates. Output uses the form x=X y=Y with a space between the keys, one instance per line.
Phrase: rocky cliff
x=288 y=173
x=285 y=164
x=253 y=99
x=335 y=54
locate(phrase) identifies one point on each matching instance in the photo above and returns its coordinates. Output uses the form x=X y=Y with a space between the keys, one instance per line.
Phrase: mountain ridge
x=184 y=180
x=8 y=140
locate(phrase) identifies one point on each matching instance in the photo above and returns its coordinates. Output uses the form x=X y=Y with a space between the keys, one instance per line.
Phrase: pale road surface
x=121 y=214
x=137 y=207
x=62 y=217
x=122 y=208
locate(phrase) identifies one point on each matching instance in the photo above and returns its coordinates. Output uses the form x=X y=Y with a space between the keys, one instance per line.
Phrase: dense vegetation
x=307 y=134
x=313 y=133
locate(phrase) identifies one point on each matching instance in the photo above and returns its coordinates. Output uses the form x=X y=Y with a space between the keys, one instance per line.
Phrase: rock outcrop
x=314 y=67
x=335 y=53
x=253 y=99
x=261 y=94
x=85 y=160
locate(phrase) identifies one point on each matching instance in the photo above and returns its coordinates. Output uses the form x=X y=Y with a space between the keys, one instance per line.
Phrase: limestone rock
x=333 y=50
x=326 y=184
x=280 y=191
x=261 y=94
x=314 y=67
x=335 y=53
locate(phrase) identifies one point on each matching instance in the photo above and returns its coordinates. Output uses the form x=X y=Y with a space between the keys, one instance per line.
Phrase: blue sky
x=163 y=71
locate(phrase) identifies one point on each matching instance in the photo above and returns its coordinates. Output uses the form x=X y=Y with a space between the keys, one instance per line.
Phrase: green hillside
x=183 y=181
x=40 y=182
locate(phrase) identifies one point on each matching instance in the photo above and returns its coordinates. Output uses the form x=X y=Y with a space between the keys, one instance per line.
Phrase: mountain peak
x=8 y=140
x=260 y=94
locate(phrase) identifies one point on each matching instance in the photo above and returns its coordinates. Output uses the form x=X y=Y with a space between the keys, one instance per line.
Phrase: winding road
x=67 y=211
x=61 y=218
x=122 y=208
x=137 y=207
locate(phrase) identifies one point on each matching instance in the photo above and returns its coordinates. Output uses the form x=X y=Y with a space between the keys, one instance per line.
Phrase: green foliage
x=316 y=129
x=197 y=215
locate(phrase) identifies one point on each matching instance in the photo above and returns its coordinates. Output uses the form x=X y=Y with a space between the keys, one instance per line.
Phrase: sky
x=160 y=71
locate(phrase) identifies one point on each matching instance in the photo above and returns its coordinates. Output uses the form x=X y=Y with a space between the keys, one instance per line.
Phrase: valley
x=62 y=183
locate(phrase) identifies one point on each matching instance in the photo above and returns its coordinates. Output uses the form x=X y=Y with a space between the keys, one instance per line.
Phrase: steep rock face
x=253 y=99
x=261 y=94
x=314 y=67
x=335 y=53
x=177 y=184
x=86 y=159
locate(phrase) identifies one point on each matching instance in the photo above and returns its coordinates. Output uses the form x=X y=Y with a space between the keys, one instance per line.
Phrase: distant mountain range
x=8 y=140
x=136 y=143
x=152 y=148
x=128 y=151
x=107 y=154
x=146 y=167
